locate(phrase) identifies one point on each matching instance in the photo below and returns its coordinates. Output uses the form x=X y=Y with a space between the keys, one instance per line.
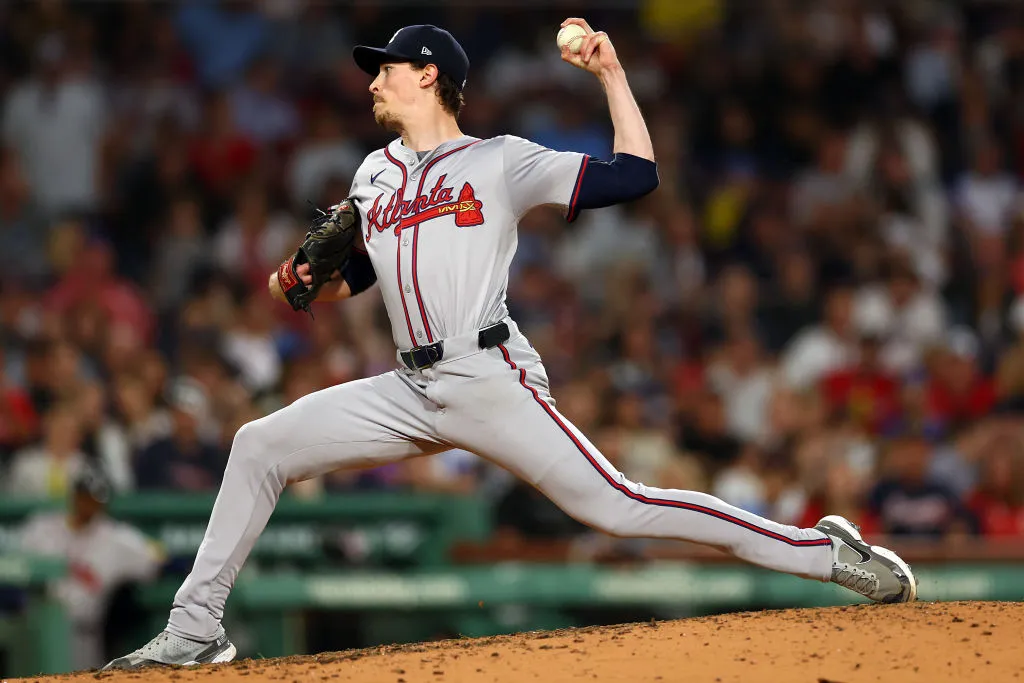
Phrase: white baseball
x=571 y=35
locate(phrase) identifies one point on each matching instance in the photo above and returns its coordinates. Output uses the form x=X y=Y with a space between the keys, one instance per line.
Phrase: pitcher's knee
x=613 y=524
x=248 y=449
x=599 y=505
x=608 y=518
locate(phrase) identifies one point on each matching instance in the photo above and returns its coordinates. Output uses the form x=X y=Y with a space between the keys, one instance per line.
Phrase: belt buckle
x=433 y=352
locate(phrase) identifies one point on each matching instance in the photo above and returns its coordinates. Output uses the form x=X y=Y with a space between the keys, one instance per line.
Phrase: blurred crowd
x=819 y=310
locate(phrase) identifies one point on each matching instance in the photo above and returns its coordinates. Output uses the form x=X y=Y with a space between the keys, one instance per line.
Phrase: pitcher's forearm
x=631 y=135
x=335 y=290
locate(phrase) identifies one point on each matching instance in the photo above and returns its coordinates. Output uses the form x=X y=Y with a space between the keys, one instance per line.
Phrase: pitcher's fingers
x=591 y=44
x=584 y=42
x=568 y=56
x=579 y=22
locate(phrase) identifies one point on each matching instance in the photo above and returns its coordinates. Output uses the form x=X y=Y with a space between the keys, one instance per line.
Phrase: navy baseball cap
x=420 y=43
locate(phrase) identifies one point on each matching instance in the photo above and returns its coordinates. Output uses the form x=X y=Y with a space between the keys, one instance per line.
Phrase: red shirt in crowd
x=870 y=398
x=947 y=406
x=817 y=507
x=220 y=162
x=19 y=423
x=995 y=517
x=93 y=282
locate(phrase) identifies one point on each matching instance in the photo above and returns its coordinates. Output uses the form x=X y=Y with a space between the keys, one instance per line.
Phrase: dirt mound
x=952 y=641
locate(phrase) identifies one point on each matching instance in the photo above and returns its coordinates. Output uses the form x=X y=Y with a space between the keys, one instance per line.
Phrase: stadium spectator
x=23 y=228
x=986 y=196
x=325 y=153
x=220 y=155
x=104 y=441
x=905 y=502
x=254 y=238
x=744 y=381
x=864 y=392
x=706 y=434
x=260 y=111
x=102 y=554
x=184 y=460
x=19 y=421
x=56 y=121
x=222 y=38
x=998 y=500
x=47 y=469
x=958 y=394
x=92 y=280
x=136 y=410
x=912 y=317
x=822 y=348
x=792 y=302
x=824 y=194
x=181 y=254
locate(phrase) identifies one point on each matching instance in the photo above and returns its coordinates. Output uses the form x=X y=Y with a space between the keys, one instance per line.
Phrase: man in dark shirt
x=907 y=503
x=707 y=436
x=792 y=303
x=183 y=461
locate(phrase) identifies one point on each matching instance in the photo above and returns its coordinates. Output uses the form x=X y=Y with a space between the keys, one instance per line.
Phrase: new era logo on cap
x=426 y=51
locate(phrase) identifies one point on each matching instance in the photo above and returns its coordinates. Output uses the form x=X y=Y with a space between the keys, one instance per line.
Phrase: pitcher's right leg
x=364 y=423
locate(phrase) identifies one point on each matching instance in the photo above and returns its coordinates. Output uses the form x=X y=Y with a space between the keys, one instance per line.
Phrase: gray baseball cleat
x=874 y=572
x=168 y=648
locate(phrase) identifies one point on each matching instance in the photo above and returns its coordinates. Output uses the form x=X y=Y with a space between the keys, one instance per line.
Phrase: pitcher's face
x=395 y=91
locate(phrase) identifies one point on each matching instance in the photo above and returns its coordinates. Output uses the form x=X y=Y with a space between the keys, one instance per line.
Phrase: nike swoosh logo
x=864 y=557
x=373 y=178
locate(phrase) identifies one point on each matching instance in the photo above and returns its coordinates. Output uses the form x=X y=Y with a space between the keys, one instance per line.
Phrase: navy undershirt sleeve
x=602 y=183
x=359 y=272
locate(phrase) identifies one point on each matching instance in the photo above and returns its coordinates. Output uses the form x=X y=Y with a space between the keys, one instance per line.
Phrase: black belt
x=424 y=356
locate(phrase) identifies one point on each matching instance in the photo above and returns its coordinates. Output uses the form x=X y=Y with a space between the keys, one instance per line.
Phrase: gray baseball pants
x=493 y=402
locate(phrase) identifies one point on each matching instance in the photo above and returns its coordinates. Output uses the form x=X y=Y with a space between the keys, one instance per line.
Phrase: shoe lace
x=855 y=578
x=155 y=642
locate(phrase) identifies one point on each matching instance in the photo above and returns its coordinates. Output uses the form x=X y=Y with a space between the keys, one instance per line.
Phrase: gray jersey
x=441 y=230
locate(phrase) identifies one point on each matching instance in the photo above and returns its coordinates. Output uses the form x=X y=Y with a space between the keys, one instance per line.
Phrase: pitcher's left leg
x=509 y=418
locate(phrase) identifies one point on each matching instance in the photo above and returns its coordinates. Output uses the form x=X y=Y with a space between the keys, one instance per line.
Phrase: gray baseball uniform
x=441 y=233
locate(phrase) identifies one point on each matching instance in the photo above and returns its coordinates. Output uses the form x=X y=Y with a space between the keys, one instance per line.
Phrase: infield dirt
x=951 y=641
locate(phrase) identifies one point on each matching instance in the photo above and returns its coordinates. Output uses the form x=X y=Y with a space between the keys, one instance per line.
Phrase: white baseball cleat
x=874 y=572
x=167 y=648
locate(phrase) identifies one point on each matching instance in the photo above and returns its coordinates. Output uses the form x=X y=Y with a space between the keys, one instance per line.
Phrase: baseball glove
x=326 y=249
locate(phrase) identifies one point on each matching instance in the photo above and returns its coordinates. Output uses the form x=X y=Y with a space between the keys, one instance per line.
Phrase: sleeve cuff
x=573 y=211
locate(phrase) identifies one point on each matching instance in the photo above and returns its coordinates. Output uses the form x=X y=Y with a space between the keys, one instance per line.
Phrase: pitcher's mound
x=926 y=642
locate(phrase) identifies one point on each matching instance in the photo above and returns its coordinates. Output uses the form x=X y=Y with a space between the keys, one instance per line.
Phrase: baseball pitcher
x=432 y=219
